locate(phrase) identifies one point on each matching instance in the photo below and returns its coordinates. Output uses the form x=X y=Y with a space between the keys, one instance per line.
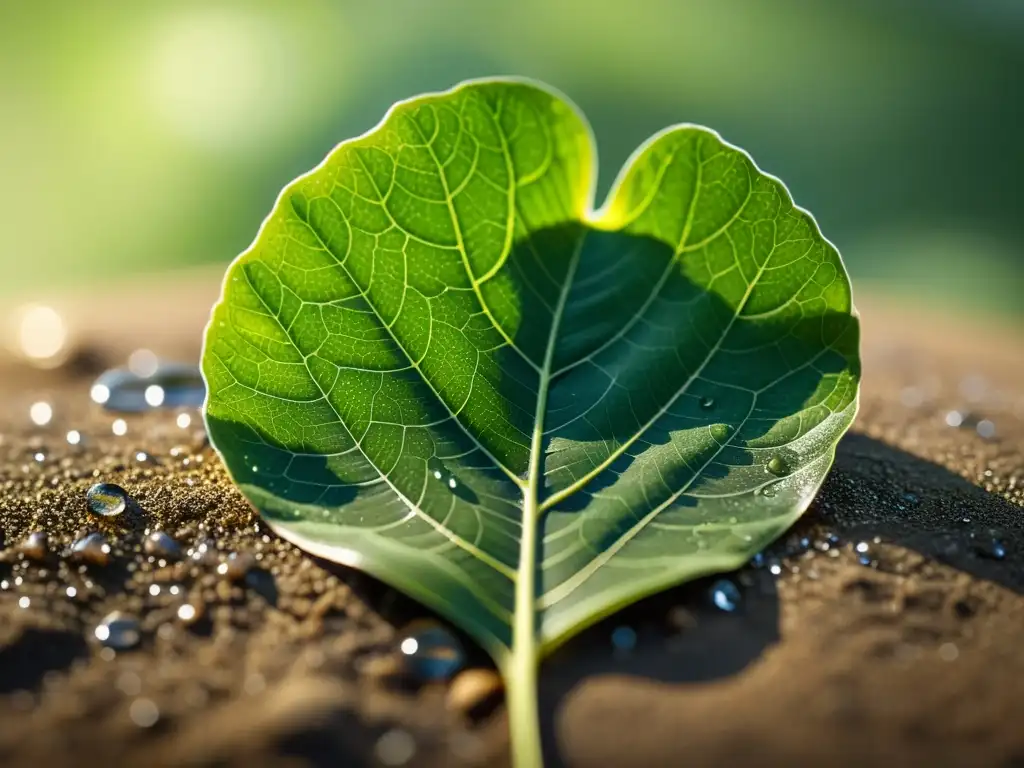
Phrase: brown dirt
x=913 y=659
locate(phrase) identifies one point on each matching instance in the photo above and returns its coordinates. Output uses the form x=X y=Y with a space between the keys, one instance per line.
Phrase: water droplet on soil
x=92 y=549
x=395 y=747
x=118 y=631
x=144 y=713
x=986 y=429
x=725 y=595
x=107 y=499
x=41 y=413
x=163 y=385
x=624 y=638
x=236 y=566
x=431 y=651
x=992 y=549
x=159 y=544
x=188 y=613
x=35 y=546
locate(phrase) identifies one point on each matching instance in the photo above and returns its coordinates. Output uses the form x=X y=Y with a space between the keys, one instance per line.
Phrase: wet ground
x=887 y=626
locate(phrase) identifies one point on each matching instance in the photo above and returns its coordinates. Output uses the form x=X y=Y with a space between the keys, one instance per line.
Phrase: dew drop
x=92 y=549
x=74 y=437
x=35 y=546
x=184 y=421
x=107 y=499
x=768 y=491
x=993 y=549
x=236 y=566
x=452 y=483
x=725 y=595
x=188 y=613
x=143 y=363
x=119 y=427
x=707 y=403
x=159 y=544
x=778 y=465
x=41 y=413
x=395 y=747
x=144 y=713
x=720 y=432
x=118 y=631
x=624 y=639
x=160 y=385
x=431 y=652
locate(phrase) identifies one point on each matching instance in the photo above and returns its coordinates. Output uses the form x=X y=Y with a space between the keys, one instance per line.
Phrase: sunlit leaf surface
x=439 y=364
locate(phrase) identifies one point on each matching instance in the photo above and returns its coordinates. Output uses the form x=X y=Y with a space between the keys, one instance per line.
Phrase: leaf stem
x=521 y=671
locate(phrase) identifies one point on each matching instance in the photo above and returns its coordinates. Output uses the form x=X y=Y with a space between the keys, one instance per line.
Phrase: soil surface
x=907 y=653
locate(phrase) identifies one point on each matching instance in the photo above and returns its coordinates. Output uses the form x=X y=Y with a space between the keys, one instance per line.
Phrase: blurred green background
x=143 y=137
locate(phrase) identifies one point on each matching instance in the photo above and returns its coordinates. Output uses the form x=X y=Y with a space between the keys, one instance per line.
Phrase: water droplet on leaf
x=778 y=465
x=720 y=432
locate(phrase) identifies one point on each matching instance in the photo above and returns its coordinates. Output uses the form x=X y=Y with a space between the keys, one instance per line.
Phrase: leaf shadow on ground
x=874 y=490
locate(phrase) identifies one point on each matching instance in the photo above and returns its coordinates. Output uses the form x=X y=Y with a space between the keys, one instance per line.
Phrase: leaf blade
x=566 y=419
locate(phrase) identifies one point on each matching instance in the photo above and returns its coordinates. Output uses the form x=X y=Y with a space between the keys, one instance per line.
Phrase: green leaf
x=439 y=364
